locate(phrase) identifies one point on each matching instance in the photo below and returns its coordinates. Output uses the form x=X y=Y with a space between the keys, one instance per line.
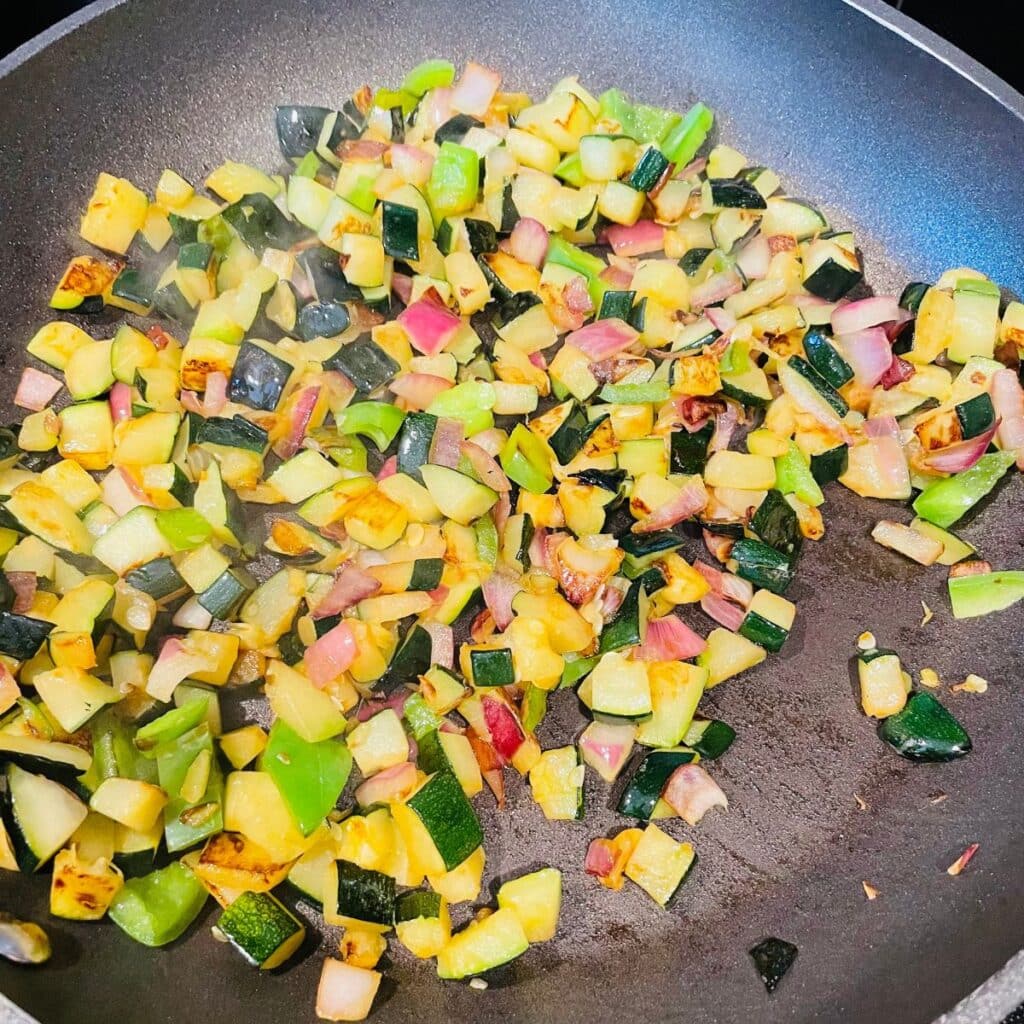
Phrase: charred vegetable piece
x=773 y=959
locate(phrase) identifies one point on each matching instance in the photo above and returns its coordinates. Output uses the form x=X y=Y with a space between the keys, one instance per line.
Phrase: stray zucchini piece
x=925 y=731
x=660 y=865
x=537 y=901
x=262 y=929
x=773 y=958
x=483 y=945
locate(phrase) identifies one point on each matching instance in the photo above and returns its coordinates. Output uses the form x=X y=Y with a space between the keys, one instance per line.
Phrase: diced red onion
x=475 y=89
x=35 y=389
x=393 y=783
x=691 y=793
x=418 y=390
x=721 y=319
x=882 y=426
x=491 y=440
x=785 y=243
x=435 y=108
x=957 y=457
x=401 y=285
x=899 y=371
x=364 y=150
x=121 y=402
x=442 y=644
x=694 y=410
x=893 y=328
x=330 y=655
x=388 y=468
x=491 y=766
x=430 y=327
x=411 y=163
x=351 y=585
x=528 y=242
x=603 y=338
x=538 y=550
x=724 y=612
x=868 y=352
x=159 y=336
x=726 y=584
x=191 y=401
x=889 y=460
x=192 y=615
x=693 y=168
x=725 y=426
x=396 y=702
x=670 y=639
x=24 y=585
x=577 y=296
x=853 y=317
x=446 y=444
x=688 y=502
x=719 y=546
x=716 y=288
x=215 y=395
x=1008 y=401
x=486 y=467
x=600 y=859
x=639 y=239
x=498 y=590
x=617 y=278
x=299 y=414
x=611 y=601
x=501 y=510
x=340 y=390
x=506 y=733
x=537 y=359
x=754 y=258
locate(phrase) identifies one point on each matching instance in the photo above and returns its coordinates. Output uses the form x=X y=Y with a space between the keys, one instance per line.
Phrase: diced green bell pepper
x=985 y=593
x=169 y=726
x=187 y=824
x=389 y=98
x=471 y=402
x=639 y=121
x=418 y=716
x=486 y=540
x=378 y=421
x=454 y=181
x=310 y=776
x=431 y=74
x=945 y=501
x=793 y=476
x=681 y=143
x=157 y=908
x=535 y=706
x=635 y=394
x=308 y=166
x=526 y=460
x=185 y=528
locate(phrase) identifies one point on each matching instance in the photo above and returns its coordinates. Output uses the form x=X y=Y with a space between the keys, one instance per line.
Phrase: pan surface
x=925 y=167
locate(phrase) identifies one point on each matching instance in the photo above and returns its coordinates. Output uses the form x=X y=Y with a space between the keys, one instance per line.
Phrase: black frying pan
x=925 y=166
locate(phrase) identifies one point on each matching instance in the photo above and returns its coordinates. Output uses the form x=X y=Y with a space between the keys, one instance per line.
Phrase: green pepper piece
x=793 y=476
x=151 y=737
x=308 y=166
x=576 y=668
x=639 y=121
x=431 y=74
x=565 y=254
x=635 y=394
x=390 y=98
x=378 y=421
x=310 y=776
x=185 y=528
x=471 y=402
x=945 y=501
x=418 y=716
x=525 y=459
x=186 y=824
x=454 y=181
x=157 y=908
x=349 y=453
x=570 y=170
x=988 y=592
x=486 y=540
x=680 y=143
x=925 y=731
x=535 y=706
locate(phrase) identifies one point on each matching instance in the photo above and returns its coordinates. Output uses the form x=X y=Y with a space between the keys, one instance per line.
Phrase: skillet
x=925 y=166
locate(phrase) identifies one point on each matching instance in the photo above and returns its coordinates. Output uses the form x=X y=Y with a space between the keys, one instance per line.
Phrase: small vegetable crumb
x=928 y=614
x=938 y=798
x=870 y=891
x=930 y=678
x=773 y=958
x=963 y=860
x=866 y=641
x=218 y=935
x=972 y=684
x=478 y=983
x=862 y=804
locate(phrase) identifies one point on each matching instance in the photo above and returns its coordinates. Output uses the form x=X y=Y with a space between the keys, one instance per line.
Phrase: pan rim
x=879 y=11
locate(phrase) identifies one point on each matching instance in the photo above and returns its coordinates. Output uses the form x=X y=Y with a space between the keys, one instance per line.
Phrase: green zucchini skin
x=134 y=286
x=237 y=432
x=323 y=319
x=227 y=592
x=426 y=574
x=414 y=440
x=645 y=786
x=643 y=549
x=763 y=632
x=365 y=363
x=830 y=465
x=258 y=925
x=21 y=636
x=616 y=305
x=258 y=378
x=710 y=738
x=736 y=193
x=400 y=231
x=648 y=171
x=365 y=895
x=762 y=565
x=925 y=731
x=776 y=523
x=410 y=661
x=689 y=452
x=492 y=668
x=833 y=279
x=624 y=629
x=482 y=236
x=417 y=903
x=819 y=384
x=976 y=415
x=298 y=128
x=448 y=816
x=321 y=267
x=260 y=223
x=694 y=260
x=513 y=308
x=455 y=128
x=773 y=958
x=824 y=357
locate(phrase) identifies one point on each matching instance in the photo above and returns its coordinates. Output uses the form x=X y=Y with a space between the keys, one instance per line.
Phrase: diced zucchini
x=660 y=865
x=262 y=929
x=483 y=945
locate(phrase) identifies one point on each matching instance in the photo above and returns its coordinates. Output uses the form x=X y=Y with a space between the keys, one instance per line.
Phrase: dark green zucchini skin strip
x=365 y=895
x=258 y=378
x=762 y=565
x=776 y=523
x=773 y=958
x=646 y=784
x=925 y=731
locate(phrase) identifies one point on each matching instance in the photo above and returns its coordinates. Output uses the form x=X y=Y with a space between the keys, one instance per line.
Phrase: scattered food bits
x=773 y=958
x=972 y=684
x=866 y=641
x=218 y=935
x=478 y=983
x=930 y=678
x=938 y=798
x=862 y=804
x=870 y=891
x=977 y=568
x=928 y=614
x=963 y=860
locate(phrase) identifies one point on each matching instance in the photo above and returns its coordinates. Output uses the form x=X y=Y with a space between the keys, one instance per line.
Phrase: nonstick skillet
x=925 y=165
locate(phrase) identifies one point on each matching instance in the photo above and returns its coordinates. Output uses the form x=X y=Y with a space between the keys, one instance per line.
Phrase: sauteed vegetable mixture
x=412 y=438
